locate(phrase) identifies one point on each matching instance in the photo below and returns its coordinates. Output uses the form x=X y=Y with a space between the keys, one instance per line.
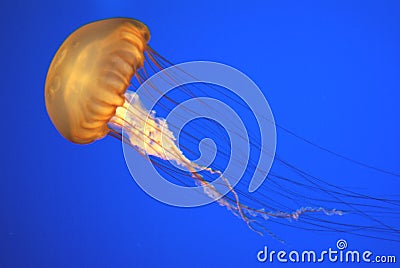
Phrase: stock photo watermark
x=339 y=254
x=212 y=73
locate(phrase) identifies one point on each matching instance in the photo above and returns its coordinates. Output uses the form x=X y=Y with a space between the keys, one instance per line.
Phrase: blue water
x=330 y=71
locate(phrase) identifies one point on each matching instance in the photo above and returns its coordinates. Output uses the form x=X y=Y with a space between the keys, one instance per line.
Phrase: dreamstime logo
x=153 y=183
x=341 y=244
x=331 y=255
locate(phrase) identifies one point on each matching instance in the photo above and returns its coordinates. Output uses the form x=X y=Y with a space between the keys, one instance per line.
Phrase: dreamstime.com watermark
x=338 y=254
x=145 y=173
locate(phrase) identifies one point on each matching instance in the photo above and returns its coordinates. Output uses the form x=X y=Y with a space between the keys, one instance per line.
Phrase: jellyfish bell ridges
x=89 y=75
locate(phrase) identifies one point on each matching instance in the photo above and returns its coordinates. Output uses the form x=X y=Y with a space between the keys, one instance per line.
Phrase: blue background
x=330 y=71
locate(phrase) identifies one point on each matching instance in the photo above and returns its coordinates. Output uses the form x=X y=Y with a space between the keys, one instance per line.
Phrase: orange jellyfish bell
x=89 y=75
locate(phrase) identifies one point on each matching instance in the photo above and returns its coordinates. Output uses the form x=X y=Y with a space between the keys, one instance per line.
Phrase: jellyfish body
x=89 y=75
x=87 y=81
x=87 y=97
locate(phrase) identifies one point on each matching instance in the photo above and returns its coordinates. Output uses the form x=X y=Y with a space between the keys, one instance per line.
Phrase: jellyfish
x=90 y=93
